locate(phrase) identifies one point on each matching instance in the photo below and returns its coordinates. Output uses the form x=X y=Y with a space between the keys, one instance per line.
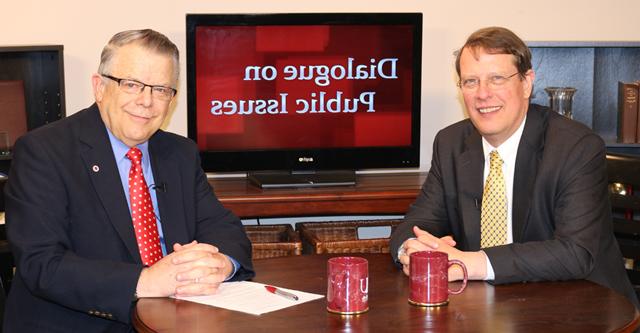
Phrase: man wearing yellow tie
x=517 y=192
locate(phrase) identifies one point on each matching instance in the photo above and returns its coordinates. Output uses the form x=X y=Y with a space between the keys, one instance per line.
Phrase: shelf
x=622 y=148
x=373 y=194
x=42 y=70
x=594 y=69
x=622 y=145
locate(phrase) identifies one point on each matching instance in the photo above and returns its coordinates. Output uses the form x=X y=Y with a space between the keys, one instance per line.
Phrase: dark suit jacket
x=561 y=213
x=70 y=229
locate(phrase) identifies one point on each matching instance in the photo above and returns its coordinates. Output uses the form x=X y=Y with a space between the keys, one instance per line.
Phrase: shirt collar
x=120 y=149
x=508 y=148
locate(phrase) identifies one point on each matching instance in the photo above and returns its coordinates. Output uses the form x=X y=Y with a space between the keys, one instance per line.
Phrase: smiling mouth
x=135 y=116
x=489 y=109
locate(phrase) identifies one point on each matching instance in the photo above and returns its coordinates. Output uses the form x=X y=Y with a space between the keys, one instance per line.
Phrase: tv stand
x=283 y=179
x=373 y=194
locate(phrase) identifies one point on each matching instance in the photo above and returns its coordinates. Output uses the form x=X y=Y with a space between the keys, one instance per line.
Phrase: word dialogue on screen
x=318 y=101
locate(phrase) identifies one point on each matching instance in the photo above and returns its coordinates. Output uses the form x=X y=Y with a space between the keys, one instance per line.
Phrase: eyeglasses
x=136 y=87
x=494 y=82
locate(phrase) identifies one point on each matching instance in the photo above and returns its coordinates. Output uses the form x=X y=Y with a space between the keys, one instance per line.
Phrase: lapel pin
x=95 y=168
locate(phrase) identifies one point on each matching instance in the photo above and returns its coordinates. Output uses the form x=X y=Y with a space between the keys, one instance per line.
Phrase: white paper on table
x=250 y=297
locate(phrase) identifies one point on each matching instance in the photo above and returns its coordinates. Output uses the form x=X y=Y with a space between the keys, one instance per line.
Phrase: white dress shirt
x=508 y=151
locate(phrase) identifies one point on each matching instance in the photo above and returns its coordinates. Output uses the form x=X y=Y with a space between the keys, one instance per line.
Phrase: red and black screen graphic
x=303 y=87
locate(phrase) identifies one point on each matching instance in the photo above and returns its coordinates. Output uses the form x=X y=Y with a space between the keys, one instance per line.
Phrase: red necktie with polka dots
x=144 y=218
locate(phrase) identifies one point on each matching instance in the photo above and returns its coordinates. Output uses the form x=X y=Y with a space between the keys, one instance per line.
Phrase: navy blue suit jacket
x=70 y=230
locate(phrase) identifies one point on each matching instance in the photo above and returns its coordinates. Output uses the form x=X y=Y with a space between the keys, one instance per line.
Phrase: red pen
x=281 y=292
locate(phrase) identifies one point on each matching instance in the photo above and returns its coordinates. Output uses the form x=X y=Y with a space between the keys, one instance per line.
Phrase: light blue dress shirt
x=124 y=165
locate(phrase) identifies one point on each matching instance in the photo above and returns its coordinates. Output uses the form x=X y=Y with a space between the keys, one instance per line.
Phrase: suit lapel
x=469 y=172
x=170 y=202
x=527 y=161
x=99 y=160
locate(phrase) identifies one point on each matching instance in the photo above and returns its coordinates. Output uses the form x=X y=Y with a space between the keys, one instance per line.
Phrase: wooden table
x=573 y=306
x=373 y=194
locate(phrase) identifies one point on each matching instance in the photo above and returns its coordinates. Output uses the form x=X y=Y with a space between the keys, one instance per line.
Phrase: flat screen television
x=303 y=96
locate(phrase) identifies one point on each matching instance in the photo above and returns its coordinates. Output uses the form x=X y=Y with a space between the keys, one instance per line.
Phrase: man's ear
x=98 y=86
x=529 y=77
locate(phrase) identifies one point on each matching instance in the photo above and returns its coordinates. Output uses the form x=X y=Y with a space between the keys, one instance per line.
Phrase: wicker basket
x=342 y=237
x=270 y=241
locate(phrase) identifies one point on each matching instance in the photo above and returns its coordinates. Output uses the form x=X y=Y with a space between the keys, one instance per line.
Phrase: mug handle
x=464 y=271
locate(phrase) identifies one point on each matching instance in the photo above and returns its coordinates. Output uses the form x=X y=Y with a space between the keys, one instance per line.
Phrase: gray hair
x=150 y=39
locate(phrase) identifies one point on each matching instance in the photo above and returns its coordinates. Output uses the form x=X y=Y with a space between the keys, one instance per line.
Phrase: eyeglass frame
x=144 y=85
x=491 y=81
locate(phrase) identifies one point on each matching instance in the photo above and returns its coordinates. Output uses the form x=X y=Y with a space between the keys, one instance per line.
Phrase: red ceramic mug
x=429 y=278
x=347 y=285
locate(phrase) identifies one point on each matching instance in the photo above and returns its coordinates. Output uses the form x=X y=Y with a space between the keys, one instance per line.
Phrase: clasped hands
x=475 y=261
x=192 y=269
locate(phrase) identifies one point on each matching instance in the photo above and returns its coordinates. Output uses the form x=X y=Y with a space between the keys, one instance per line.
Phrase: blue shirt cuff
x=236 y=266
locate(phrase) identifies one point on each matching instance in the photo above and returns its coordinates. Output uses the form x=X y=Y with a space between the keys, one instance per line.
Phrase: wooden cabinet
x=41 y=68
x=375 y=194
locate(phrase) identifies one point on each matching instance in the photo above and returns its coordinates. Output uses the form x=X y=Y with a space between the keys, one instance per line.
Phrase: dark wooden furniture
x=6 y=258
x=41 y=67
x=572 y=306
x=6 y=264
x=624 y=179
x=3 y=182
x=372 y=194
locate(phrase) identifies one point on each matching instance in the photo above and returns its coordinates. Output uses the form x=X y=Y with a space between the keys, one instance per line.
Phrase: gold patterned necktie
x=493 y=216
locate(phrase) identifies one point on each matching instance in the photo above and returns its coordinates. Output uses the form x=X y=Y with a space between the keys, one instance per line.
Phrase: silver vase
x=560 y=99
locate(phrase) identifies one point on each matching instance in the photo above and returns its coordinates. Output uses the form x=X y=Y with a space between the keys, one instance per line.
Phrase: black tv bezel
x=322 y=159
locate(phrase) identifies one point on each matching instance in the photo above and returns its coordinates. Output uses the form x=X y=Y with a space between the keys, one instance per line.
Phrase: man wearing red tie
x=103 y=207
